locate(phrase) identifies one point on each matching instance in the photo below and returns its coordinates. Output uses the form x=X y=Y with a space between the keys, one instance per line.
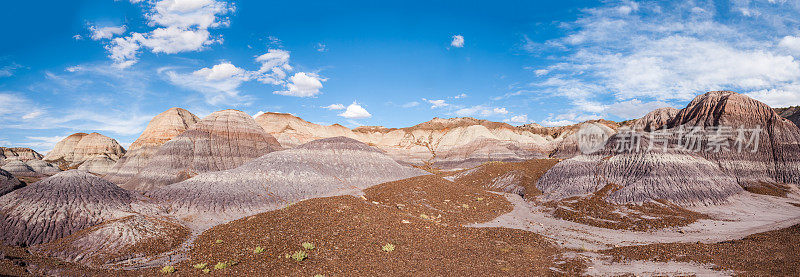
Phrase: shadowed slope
x=8 y=182
x=319 y=168
x=61 y=205
x=655 y=120
x=222 y=140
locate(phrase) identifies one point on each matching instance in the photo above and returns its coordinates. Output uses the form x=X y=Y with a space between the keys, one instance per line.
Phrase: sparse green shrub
x=232 y=263
x=388 y=247
x=258 y=249
x=200 y=265
x=220 y=265
x=299 y=255
x=207 y=270
x=308 y=245
x=319 y=275
x=218 y=241
x=168 y=269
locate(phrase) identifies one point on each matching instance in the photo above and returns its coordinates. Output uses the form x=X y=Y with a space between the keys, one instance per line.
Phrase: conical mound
x=43 y=168
x=319 y=168
x=121 y=240
x=8 y=182
x=222 y=140
x=678 y=176
x=292 y=131
x=61 y=205
x=655 y=120
x=19 y=168
x=162 y=128
x=775 y=158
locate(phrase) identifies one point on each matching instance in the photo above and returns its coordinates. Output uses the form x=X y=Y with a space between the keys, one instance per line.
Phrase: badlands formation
x=276 y=195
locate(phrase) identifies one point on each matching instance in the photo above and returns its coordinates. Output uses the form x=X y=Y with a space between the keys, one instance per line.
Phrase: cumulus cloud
x=274 y=66
x=99 y=33
x=334 y=107
x=792 y=44
x=436 y=103
x=634 y=108
x=258 y=114
x=179 y=26
x=303 y=84
x=463 y=95
x=458 y=41
x=355 y=111
x=518 y=119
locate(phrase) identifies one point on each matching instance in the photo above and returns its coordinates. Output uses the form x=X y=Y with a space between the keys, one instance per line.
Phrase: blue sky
x=110 y=66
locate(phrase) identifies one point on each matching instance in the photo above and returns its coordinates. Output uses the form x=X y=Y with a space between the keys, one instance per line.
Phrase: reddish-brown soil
x=439 y=200
x=773 y=253
x=348 y=234
x=594 y=210
x=530 y=170
x=779 y=190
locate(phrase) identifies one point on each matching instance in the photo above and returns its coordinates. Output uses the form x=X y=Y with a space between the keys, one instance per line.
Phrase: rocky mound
x=8 y=183
x=61 y=205
x=292 y=131
x=775 y=159
x=17 y=153
x=162 y=128
x=790 y=113
x=222 y=140
x=674 y=175
x=655 y=120
x=319 y=168
x=43 y=168
x=120 y=240
x=565 y=144
x=76 y=149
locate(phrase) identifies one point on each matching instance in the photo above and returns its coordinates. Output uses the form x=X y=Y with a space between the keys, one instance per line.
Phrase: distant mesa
x=162 y=128
x=655 y=120
x=222 y=140
x=99 y=152
x=18 y=153
x=325 y=167
x=62 y=205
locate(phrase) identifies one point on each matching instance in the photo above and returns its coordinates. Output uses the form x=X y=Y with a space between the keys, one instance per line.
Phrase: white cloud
x=410 y=104
x=303 y=84
x=321 y=47
x=42 y=142
x=258 y=114
x=334 y=107
x=355 y=111
x=784 y=96
x=99 y=33
x=458 y=41
x=8 y=70
x=791 y=43
x=436 y=103
x=541 y=72
x=77 y=37
x=481 y=110
x=519 y=119
x=218 y=84
x=463 y=95
x=180 y=26
x=274 y=66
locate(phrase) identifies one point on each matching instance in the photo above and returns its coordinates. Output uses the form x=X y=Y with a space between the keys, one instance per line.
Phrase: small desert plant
x=218 y=241
x=168 y=269
x=200 y=265
x=299 y=255
x=258 y=249
x=206 y=271
x=319 y=275
x=388 y=247
x=307 y=245
x=220 y=265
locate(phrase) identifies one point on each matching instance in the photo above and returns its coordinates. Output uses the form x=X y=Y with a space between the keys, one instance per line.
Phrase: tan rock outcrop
x=222 y=140
x=18 y=153
x=655 y=120
x=162 y=128
x=292 y=131
x=76 y=149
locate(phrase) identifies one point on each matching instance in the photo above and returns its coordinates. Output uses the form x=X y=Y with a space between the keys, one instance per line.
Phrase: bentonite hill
x=229 y=194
